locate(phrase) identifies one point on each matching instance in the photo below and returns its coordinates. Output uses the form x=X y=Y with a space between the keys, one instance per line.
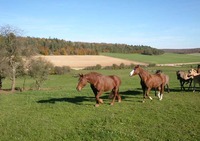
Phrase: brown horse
x=149 y=81
x=165 y=78
x=100 y=83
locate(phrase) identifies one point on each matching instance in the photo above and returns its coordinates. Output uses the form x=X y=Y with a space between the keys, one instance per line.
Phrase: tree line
x=61 y=47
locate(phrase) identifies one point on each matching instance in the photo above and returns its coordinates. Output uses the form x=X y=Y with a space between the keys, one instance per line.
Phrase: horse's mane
x=145 y=72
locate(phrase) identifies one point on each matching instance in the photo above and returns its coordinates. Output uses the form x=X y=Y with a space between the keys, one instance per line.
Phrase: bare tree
x=12 y=51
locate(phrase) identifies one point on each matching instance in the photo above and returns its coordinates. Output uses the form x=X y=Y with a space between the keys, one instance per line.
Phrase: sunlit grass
x=158 y=59
x=59 y=112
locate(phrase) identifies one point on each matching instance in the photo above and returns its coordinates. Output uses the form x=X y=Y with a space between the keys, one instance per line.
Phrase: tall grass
x=59 y=112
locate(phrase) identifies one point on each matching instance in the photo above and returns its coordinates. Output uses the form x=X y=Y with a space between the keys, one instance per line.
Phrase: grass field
x=59 y=112
x=166 y=58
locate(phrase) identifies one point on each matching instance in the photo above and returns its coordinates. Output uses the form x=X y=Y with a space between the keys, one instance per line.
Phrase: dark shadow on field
x=138 y=91
x=75 y=100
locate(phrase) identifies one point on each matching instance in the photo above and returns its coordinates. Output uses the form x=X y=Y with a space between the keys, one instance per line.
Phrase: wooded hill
x=61 y=47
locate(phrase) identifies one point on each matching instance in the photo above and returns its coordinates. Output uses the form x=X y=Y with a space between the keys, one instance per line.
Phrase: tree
x=39 y=70
x=13 y=51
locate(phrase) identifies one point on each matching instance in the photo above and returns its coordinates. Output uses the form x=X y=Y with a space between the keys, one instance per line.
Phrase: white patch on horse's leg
x=161 y=96
x=96 y=105
x=101 y=100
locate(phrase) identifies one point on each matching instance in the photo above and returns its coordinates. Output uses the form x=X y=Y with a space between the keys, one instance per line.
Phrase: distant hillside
x=183 y=51
x=61 y=47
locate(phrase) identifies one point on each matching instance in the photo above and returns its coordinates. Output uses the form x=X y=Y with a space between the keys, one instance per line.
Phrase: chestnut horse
x=99 y=84
x=149 y=81
x=165 y=78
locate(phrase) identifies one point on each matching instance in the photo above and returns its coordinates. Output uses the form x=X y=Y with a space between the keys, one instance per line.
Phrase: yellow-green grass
x=165 y=58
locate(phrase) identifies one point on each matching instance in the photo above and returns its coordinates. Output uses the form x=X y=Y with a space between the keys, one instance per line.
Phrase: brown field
x=82 y=61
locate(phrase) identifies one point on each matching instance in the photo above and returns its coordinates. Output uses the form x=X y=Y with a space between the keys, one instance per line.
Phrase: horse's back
x=116 y=79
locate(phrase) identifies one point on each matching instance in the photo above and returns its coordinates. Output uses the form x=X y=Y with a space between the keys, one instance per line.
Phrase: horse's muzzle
x=78 y=88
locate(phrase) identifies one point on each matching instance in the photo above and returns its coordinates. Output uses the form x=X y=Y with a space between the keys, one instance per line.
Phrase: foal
x=149 y=81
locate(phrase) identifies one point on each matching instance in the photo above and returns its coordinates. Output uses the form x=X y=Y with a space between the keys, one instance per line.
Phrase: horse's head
x=81 y=82
x=135 y=71
x=192 y=72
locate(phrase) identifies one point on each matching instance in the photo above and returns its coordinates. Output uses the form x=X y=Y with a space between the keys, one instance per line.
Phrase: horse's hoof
x=150 y=98
x=143 y=101
x=96 y=105
x=112 y=104
x=101 y=100
x=119 y=101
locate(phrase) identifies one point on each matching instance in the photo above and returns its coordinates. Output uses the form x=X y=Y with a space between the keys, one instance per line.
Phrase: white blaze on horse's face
x=132 y=72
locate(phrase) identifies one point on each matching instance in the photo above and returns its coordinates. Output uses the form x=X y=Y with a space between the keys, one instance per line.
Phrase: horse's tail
x=117 y=80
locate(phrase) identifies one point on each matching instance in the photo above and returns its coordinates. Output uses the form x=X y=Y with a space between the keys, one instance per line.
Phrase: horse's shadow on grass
x=80 y=99
x=75 y=100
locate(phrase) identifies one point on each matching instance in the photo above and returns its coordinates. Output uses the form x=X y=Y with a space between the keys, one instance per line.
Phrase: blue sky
x=157 y=23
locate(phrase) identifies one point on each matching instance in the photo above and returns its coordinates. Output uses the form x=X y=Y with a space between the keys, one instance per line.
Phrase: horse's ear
x=80 y=75
x=137 y=66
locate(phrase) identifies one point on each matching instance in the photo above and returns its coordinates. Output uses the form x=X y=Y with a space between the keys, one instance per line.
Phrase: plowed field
x=82 y=61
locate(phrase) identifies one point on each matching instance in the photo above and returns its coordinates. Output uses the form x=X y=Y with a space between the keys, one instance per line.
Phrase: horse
x=165 y=78
x=149 y=81
x=184 y=78
x=198 y=69
x=100 y=83
x=196 y=77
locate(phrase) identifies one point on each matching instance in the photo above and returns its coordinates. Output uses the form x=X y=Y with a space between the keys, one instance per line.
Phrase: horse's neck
x=144 y=75
x=185 y=76
x=195 y=74
x=91 y=79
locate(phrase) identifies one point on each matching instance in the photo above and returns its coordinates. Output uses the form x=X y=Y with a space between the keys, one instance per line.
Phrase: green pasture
x=58 y=112
x=158 y=59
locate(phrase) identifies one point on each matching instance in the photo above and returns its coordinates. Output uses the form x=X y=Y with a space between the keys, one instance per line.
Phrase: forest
x=56 y=46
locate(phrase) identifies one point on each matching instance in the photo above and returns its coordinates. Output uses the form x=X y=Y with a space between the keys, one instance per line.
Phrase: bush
x=61 y=70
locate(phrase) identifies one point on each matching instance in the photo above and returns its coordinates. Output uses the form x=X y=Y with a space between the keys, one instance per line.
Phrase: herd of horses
x=100 y=83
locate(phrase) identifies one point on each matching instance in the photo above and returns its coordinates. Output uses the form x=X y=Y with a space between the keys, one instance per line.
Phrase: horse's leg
x=115 y=91
x=118 y=96
x=147 y=94
x=143 y=89
x=95 y=91
x=98 y=99
x=167 y=88
x=111 y=95
x=190 y=84
x=182 y=85
x=155 y=91
x=194 y=87
x=161 y=92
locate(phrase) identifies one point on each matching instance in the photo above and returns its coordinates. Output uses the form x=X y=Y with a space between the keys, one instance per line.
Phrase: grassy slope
x=61 y=113
x=159 y=59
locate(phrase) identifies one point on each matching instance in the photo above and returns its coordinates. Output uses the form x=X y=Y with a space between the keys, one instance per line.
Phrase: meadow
x=166 y=58
x=59 y=112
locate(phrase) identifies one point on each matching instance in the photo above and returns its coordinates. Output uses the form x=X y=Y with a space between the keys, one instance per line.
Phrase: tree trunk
x=13 y=79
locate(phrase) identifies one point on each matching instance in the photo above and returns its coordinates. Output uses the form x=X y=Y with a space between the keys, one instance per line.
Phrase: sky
x=162 y=24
